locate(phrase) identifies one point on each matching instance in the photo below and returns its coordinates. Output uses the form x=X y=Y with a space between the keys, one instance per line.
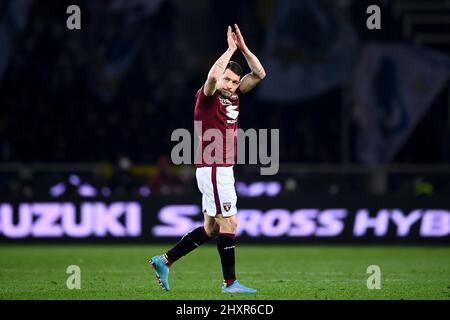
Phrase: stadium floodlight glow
x=106 y=192
x=86 y=190
x=58 y=189
x=258 y=189
x=74 y=180
x=144 y=191
x=273 y=188
x=241 y=188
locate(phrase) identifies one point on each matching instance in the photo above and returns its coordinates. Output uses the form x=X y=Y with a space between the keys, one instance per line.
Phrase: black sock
x=189 y=242
x=225 y=245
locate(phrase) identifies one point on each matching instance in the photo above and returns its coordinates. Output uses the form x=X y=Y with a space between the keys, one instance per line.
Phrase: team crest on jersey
x=227 y=206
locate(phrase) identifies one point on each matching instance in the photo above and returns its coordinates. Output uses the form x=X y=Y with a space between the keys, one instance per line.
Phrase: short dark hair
x=235 y=67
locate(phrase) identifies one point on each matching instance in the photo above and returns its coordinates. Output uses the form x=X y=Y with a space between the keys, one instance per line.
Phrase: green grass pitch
x=277 y=272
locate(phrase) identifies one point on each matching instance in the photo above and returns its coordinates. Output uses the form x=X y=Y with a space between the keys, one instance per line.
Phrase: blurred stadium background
x=86 y=118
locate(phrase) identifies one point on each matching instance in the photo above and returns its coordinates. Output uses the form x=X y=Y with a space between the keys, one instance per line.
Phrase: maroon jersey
x=219 y=113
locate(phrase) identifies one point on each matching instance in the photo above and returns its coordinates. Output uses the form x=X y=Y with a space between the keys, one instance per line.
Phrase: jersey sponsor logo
x=232 y=113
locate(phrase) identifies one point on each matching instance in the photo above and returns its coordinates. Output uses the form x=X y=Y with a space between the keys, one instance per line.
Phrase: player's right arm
x=219 y=66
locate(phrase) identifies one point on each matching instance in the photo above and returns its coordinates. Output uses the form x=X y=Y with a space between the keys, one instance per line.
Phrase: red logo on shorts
x=227 y=206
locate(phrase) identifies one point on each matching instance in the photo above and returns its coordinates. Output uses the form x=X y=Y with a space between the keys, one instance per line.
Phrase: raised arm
x=219 y=66
x=250 y=80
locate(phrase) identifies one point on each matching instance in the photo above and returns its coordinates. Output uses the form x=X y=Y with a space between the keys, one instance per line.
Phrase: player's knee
x=211 y=229
x=228 y=225
x=215 y=231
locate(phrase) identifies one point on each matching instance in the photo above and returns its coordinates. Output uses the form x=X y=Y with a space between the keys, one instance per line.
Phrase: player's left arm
x=257 y=74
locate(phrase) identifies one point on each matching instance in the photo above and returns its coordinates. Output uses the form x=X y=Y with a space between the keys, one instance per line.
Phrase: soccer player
x=217 y=107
